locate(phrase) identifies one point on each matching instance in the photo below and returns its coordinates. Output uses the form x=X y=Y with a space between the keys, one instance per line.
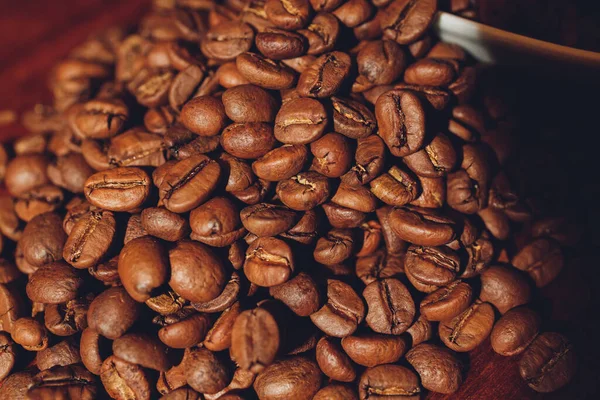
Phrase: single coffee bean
x=189 y=183
x=300 y=121
x=289 y=378
x=480 y=254
x=300 y=294
x=253 y=194
x=504 y=287
x=436 y=97
x=279 y=44
x=355 y=197
x=265 y=72
x=515 y=331
x=7 y=355
x=435 y=160
x=401 y=121
x=420 y=331
x=421 y=47
x=336 y=391
x=205 y=116
x=30 y=334
x=54 y=283
x=255 y=339
x=433 y=193
x=62 y=354
x=197 y=274
x=16 y=385
x=39 y=200
x=542 y=259
x=219 y=336
x=380 y=62
x=228 y=296
x=134 y=228
x=340 y=217
x=439 y=369
x=268 y=219
x=464 y=85
x=68 y=318
x=43 y=239
x=269 y=262
x=136 y=148
x=186 y=332
x=288 y=15
x=431 y=267
x=216 y=223
x=151 y=87
x=304 y=191
x=184 y=85
x=351 y=118
x=447 y=302
x=227 y=40
x=468 y=187
x=11 y=308
x=281 y=163
x=322 y=33
x=206 y=372
x=143 y=350
x=371 y=349
x=118 y=189
x=143 y=267
x=549 y=363
x=379 y=265
x=166 y=303
x=422 y=226
x=248 y=140
x=333 y=361
x=496 y=222
x=305 y=230
x=101 y=118
x=389 y=380
x=334 y=248
x=164 y=224
x=467 y=123
x=406 y=21
x=24 y=173
x=325 y=76
x=69 y=172
x=158 y=120
x=343 y=311
x=391 y=309
x=90 y=239
x=370 y=161
x=249 y=103
x=122 y=379
x=431 y=72
x=229 y=76
x=95 y=154
x=113 y=312
x=332 y=155
x=240 y=173
x=468 y=329
x=396 y=187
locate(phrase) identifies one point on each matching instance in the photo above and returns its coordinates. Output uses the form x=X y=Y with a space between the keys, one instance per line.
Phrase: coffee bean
x=269 y=262
x=197 y=274
x=325 y=5
x=43 y=239
x=334 y=248
x=164 y=224
x=332 y=155
x=118 y=189
x=389 y=380
x=267 y=219
x=290 y=378
x=90 y=239
x=542 y=259
x=421 y=226
x=219 y=336
x=303 y=191
x=300 y=121
x=186 y=332
x=249 y=103
x=61 y=382
x=248 y=140
x=143 y=350
x=113 y=312
x=355 y=197
x=406 y=21
x=463 y=87
x=289 y=15
x=301 y=294
x=391 y=307
x=351 y=118
x=205 y=116
x=431 y=267
x=281 y=163
x=151 y=88
x=380 y=62
x=299 y=64
x=265 y=72
x=322 y=33
x=396 y=187
x=343 y=311
x=184 y=85
x=447 y=302
x=69 y=172
x=468 y=329
x=333 y=361
x=24 y=173
x=370 y=161
x=515 y=331
x=305 y=230
x=7 y=355
x=354 y=12
x=39 y=200
x=216 y=223
x=229 y=76
x=467 y=123
x=11 y=308
x=549 y=362
x=121 y=379
x=255 y=339
x=504 y=287
x=468 y=187
x=205 y=372
x=228 y=296
x=435 y=160
x=439 y=369
x=159 y=120
x=401 y=121
x=340 y=217
x=240 y=173
x=54 y=283
x=336 y=391
x=30 y=334
x=227 y=40
x=62 y=354
x=101 y=119
x=431 y=72
x=371 y=350
x=325 y=76
x=279 y=44
x=68 y=318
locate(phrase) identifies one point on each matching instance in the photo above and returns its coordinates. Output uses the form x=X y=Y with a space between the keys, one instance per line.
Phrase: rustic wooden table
x=34 y=34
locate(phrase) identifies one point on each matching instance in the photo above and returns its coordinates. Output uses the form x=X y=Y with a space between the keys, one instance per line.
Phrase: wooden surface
x=34 y=34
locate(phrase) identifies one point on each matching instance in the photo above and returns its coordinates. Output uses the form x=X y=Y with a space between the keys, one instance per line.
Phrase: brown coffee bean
x=136 y=148
x=166 y=303
x=219 y=336
x=355 y=197
x=300 y=121
x=90 y=239
x=335 y=247
x=205 y=116
x=229 y=76
x=447 y=302
x=43 y=239
x=333 y=361
x=304 y=191
x=69 y=172
x=370 y=161
x=118 y=189
x=197 y=274
x=228 y=296
x=189 y=183
x=351 y=118
x=468 y=187
x=248 y=140
x=289 y=15
x=205 y=372
x=186 y=332
x=389 y=380
x=549 y=362
x=249 y=103
x=101 y=118
x=401 y=121
x=467 y=123
x=281 y=163
x=269 y=262
x=406 y=21
x=391 y=309
x=240 y=176
x=380 y=62
x=30 y=334
x=39 y=200
x=342 y=217
x=95 y=154
x=371 y=349
x=7 y=355
x=343 y=311
x=515 y=331
x=11 y=308
x=435 y=160
x=62 y=354
x=158 y=120
x=143 y=350
x=267 y=219
x=122 y=379
x=438 y=98
x=63 y=382
x=134 y=228
x=289 y=378
x=164 y=224
x=254 y=193
x=301 y=294
x=216 y=223
x=336 y=391
x=421 y=226
x=468 y=329
x=279 y=44
x=354 y=12
x=10 y=226
x=255 y=339
x=504 y=287
x=439 y=369
x=54 y=283
x=322 y=33
x=332 y=155
x=184 y=85
x=431 y=72
x=113 y=312
x=265 y=72
x=325 y=76
x=428 y=268
x=16 y=385
x=305 y=230
x=464 y=86
x=68 y=318
x=396 y=187
x=151 y=87
x=542 y=259
x=24 y=173
x=227 y=40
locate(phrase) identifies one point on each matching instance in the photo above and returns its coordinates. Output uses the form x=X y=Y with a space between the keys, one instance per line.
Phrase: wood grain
x=35 y=34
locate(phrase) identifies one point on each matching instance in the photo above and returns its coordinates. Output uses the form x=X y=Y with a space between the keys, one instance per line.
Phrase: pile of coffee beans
x=280 y=199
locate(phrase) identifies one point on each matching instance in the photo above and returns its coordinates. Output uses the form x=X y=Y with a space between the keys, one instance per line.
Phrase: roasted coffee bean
x=189 y=183
x=496 y=222
x=7 y=355
x=431 y=72
x=468 y=329
x=401 y=121
x=435 y=160
x=54 y=283
x=447 y=302
x=340 y=217
x=464 y=86
x=253 y=194
x=158 y=120
x=255 y=339
x=113 y=312
x=205 y=116
x=229 y=76
x=281 y=163
x=406 y=21
x=184 y=85
x=300 y=121
x=549 y=362
x=62 y=354
x=351 y=118
x=325 y=76
x=304 y=191
x=143 y=267
x=164 y=224
x=542 y=259
x=420 y=331
x=30 y=334
x=11 y=308
x=205 y=372
x=379 y=265
x=39 y=200
x=122 y=379
x=515 y=331
x=504 y=287
x=143 y=350
x=248 y=140
x=240 y=176
x=186 y=332
x=356 y=198
x=219 y=335
x=265 y=72
x=289 y=378
x=10 y=226
x=269 y=262
x=396 y=187
x=421 y=226
x=216 y=223
x=380 y=62
x=8 y=271
x=67 y=318
x=63 y=382
x=370 y=161
x=371 y=349
x=467 y=123
x=166 y=303
x=95 y=154
x=389 y=380
x=334 y=248
x=227 y=40
x=279 y=44
x=134 y=228
x=228 y=296
x=16 y=385
x=391 y=309
x=439 y=369
x=322 y=33
x=249 y=103
x=343 y=311
x=336 y=391
x=301 y=294
x=332 y=155
x=333 y=361
x=289 y=15
x=90 y=239
x=69 y=172
x=101 y=118
x=136 y=148
x=43 y=239
x=31 y=144
x=428 y=268
x=268 y=219
x=151 y=87
x=197 y=274
x=305 y=230
x=118 y=189
x=354 y=12
x=468 y=187
x=24 y=173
